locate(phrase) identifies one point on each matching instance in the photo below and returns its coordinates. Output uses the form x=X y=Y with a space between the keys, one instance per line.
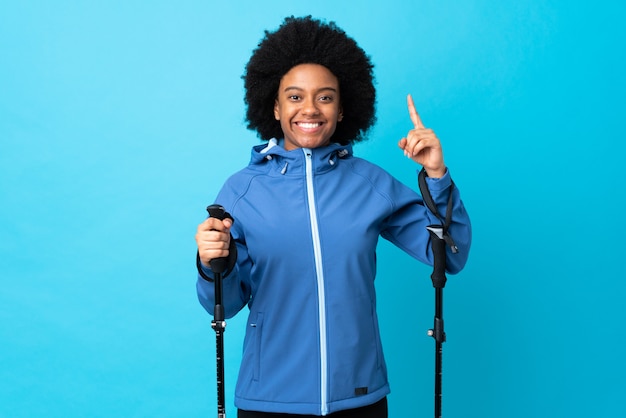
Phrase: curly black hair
x=307 y=40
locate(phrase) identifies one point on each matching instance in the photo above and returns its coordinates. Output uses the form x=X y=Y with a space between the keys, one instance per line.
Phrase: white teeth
x=308 y=125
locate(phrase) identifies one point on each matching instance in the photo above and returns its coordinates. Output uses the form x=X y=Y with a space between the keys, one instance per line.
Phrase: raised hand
x=422 y=145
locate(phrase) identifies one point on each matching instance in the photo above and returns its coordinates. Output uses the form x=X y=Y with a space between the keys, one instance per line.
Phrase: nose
x=309 y=107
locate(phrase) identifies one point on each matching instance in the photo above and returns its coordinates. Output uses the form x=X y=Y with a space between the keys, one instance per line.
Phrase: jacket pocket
x=379 y=350
x=256 y=334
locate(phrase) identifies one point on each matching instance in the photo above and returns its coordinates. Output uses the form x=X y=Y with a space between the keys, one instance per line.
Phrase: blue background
x=120 y=120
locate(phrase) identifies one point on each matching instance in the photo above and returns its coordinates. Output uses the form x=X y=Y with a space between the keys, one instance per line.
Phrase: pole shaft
x=218 y=326
x=438 y=376
x=219 y=350
x=440 y=337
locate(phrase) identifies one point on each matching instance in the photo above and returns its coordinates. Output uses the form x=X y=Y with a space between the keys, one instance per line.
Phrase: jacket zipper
x=320 y=281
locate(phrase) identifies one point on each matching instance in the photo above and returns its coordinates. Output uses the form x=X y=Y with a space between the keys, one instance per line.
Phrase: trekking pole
x=218 y=266
x=439 y=238
x=438 y=278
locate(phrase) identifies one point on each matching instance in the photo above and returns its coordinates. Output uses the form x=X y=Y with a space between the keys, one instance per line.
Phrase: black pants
x=377 y=410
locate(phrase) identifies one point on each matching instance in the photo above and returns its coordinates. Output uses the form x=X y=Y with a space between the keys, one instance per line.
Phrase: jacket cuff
x=440 y=184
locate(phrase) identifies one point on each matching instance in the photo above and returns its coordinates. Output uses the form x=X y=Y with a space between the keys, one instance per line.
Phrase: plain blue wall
x=120 y=120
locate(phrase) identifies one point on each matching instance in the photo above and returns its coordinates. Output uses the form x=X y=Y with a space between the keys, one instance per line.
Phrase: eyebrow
x=301 y=89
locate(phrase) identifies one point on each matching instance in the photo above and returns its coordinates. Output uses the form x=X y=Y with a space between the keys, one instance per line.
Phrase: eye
x=326 y=98
x=293 y=97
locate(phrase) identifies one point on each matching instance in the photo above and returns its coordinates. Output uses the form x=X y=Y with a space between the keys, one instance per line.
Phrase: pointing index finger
x=415 y=117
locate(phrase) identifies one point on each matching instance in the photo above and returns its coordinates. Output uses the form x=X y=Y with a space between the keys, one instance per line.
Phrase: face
x=308 y=106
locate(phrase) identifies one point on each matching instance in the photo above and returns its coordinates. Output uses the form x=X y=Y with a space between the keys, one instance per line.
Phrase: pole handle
x=438 y=245
x=218 y=265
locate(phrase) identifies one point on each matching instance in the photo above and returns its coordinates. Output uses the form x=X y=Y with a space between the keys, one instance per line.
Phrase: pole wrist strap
x=430 y=204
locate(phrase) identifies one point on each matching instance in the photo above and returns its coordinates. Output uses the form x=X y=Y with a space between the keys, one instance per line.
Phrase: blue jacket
x=307 y=222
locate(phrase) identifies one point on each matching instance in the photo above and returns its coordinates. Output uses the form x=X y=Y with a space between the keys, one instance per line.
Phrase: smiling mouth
x=309 y=125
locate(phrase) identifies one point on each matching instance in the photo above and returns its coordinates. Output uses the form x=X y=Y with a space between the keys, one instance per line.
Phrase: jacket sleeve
x=235 y=289
x=460 y=227
x=406 y=225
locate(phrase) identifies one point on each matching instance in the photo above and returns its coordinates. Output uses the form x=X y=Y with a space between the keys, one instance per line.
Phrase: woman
x=308 y=215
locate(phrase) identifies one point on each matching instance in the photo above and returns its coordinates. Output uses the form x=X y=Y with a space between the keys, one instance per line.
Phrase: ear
x=340 y=116
x=276 y=112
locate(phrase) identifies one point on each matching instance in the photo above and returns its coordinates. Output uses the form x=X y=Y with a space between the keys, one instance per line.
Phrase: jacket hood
x=274 y=157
